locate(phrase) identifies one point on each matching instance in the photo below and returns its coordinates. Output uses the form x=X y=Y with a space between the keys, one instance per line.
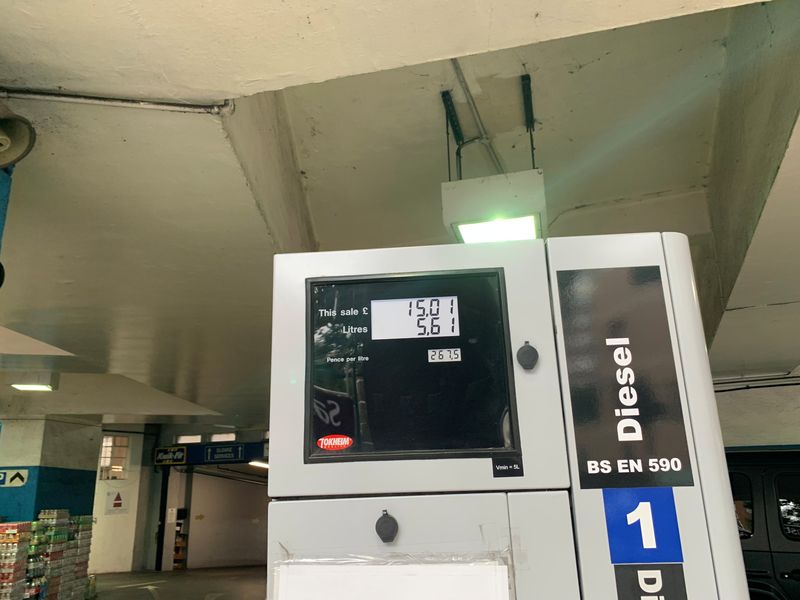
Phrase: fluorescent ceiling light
x=189 y=439
x=32 y=387
x=259 y=464
x=499 y=230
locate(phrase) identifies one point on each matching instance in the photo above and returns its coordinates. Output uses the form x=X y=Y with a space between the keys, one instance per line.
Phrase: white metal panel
x=711 y=464
x=597 y=573
x=538 y=401
x=457 y=524
x=543 y=544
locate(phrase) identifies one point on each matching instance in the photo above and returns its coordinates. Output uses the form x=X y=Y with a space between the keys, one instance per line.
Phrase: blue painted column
x=5 y=192
x=58 y=462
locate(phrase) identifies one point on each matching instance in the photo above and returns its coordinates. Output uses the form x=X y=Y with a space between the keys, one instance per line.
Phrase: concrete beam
x=759 y=105
x=758 y=332
x=182 y=50
x=760 y=417
x=258 y=130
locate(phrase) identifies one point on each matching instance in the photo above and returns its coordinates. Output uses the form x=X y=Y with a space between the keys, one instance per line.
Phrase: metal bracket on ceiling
x=452 y=117
x=530 y=120
x=452 y=122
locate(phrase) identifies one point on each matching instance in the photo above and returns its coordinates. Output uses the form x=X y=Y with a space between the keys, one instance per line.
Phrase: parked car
x=766 y=493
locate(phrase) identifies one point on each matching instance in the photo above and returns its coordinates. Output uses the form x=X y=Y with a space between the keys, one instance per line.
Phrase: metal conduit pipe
x=482 y=132
x=225 y=107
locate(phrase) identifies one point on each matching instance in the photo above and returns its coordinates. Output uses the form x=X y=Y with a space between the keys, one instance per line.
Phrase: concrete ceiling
x=202 y=51
x=134 y=242
x=141 y=240
x=624 y=115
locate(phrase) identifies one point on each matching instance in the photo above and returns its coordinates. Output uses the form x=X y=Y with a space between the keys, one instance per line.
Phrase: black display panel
x=412 y=366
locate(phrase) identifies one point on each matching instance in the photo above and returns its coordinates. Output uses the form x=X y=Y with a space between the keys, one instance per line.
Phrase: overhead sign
x=223 y=454
x=171 y=455
x=623 y=386
x=13 y=477
x=209 y=454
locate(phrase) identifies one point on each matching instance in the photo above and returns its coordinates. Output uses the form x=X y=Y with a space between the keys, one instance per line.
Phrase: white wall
x=228 y=523
x=115 y=535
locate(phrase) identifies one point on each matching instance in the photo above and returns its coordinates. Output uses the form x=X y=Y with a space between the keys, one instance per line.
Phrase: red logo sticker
x=335 y=442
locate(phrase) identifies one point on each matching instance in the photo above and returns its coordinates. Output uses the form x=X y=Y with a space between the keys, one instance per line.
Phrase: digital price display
x=404 y=318
x=444 y=355
x=410 y=363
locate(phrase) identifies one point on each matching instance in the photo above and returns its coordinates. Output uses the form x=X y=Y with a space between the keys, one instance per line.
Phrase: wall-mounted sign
x=116 y=502
x=13 y=477
x=210 y=454
x=171 y=455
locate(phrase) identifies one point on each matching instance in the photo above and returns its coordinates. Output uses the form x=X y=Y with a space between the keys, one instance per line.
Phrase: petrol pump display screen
x=411 y=366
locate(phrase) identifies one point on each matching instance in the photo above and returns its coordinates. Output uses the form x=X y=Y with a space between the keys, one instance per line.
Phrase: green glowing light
x=499 y=230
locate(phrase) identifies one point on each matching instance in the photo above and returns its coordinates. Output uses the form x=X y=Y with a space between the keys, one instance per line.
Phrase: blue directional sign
x=642 y=525
x=226 y=453
x=209 y=454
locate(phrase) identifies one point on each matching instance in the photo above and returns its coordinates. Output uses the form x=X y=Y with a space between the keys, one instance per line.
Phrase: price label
x=444 y=355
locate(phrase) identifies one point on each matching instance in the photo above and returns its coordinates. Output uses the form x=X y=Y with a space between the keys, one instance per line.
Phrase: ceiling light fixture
x=35 y=381
x=32 y=387
x=498 y=208
x=499 y=230
x=258 y=463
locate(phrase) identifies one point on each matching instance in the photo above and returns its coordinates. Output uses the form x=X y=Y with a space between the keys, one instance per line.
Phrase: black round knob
x=527 y=356
x=386 y=527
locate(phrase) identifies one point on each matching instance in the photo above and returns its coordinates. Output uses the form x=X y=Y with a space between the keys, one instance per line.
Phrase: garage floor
x=202 y=584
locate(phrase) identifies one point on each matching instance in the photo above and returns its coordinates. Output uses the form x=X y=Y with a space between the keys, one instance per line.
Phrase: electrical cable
x=473 y=107
x=533 y=150
x=459 y=170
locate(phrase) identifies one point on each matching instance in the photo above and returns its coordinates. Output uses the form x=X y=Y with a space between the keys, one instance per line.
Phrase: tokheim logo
x=335 y=442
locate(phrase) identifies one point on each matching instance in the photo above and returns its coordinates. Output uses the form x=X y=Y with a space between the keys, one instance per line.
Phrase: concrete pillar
x=58 y=461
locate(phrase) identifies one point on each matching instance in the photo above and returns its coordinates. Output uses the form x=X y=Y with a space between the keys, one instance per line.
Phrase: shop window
x=114 y=457
x=223 y=437
x=189 y=439
x=743 y=503
x=788 y=489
